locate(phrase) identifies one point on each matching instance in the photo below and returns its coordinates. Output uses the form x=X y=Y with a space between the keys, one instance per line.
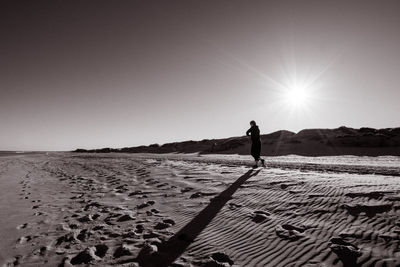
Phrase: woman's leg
x=255 y=152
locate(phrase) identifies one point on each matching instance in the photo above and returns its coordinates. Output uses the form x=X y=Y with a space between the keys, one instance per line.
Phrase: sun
x=296 y=96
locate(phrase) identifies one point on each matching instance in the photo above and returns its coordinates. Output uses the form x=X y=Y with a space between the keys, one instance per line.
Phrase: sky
x=92 y=74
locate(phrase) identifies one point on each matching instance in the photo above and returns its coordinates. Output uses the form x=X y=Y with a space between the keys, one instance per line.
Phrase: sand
x=65 y=209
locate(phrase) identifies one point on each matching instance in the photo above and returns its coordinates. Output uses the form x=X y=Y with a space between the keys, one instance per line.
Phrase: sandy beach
x=64 y=209
x=133 y=133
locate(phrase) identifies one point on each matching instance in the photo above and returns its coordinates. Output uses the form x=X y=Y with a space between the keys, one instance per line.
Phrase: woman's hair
x=253 y=123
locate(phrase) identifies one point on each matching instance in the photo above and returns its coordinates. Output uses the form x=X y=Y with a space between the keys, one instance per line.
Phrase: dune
x=69 y=209
x=308 y=142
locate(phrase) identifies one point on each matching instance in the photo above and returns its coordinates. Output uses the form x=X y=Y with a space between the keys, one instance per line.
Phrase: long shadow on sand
x=170 y=250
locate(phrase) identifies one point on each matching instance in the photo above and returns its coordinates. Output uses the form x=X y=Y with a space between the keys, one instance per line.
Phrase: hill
x=308 y=142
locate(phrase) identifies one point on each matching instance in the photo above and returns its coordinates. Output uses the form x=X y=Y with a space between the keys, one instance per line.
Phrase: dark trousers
x=256 y=150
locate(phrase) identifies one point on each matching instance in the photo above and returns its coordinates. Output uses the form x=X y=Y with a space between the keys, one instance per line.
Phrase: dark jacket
x=254 y=132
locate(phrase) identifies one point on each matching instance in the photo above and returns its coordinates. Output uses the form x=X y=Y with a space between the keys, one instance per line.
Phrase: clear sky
x=93 y=74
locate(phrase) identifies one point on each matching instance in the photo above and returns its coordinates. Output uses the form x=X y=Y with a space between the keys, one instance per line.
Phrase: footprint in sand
x=101 y=250
x=136 y=193
x=67 y=238
x=162 y=185
x=164 y=224
x=370 y=209
x=122 y=250
x=139 y=229
x=290 y=232
x=92 y=205
x=22 y=226
x=201 y=194
x=260 y=216
x=24 y=239
x=346 y=252
x=217 y=259
x=85 y=257
x=234 y=206
x=146 y=204
x=14 y=261
x=86 y=218
x=155 y=211
x=186 y=189
x=371 y=195
x=125 y=218
x=150 y=235
x=151 y=182
x=43 y=250
x=83 y=235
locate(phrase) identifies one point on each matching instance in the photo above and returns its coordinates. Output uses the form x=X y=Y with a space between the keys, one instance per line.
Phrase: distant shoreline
x=17 y=153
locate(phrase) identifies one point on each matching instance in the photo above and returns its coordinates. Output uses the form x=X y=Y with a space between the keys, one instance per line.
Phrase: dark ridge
x=309 y=142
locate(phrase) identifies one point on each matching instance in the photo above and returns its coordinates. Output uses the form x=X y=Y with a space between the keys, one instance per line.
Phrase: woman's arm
x=248 y=132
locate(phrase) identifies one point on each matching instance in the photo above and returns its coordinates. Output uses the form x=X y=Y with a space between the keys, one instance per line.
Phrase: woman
x=254 y=132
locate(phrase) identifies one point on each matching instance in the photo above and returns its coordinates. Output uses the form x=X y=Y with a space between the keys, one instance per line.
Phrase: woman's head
x=253 y=123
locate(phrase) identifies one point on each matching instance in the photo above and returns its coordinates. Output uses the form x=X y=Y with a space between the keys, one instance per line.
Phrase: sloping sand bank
x=67 y=209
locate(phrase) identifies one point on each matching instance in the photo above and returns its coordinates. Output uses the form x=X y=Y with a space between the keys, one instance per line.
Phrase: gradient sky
x=94 y=74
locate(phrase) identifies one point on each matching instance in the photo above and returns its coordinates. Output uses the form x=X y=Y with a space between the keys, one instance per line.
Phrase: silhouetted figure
x=254 y=132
